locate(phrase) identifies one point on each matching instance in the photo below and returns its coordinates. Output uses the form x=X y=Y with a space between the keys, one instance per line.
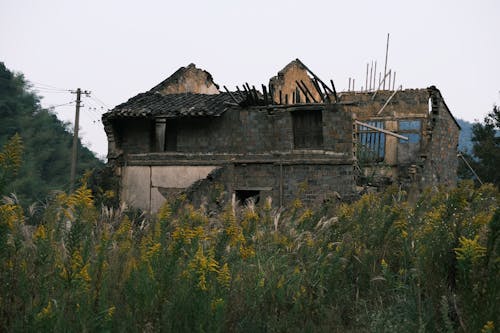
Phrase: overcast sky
x=117 y=49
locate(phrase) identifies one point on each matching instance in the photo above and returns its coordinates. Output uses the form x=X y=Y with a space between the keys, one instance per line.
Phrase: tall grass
x=376 y=265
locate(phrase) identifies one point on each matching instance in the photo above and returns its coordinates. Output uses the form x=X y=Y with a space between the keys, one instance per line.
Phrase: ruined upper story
x=296 y=116
x=168 y=125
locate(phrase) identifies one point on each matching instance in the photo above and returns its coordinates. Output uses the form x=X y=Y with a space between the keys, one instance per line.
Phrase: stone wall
x=241 y=131
x=441 y=161
x=256 y=148
x=284 y=182
x=433 y=159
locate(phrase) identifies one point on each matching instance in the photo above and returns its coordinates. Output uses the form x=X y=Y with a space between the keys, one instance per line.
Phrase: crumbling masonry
x=295 y=138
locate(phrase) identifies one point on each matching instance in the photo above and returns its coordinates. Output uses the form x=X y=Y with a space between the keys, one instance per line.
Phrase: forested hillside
x=46 y=141
x=465 y=139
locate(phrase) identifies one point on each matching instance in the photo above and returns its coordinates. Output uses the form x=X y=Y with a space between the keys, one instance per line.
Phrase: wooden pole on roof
x=240 y=93
x=371 y=76
x=387 y=102
x=317 y=77
x=305 y=90
x=230 y=94
x=386 y=54
x=264 y=91
x=366 y=84
x=334 y=90
x=318 y=89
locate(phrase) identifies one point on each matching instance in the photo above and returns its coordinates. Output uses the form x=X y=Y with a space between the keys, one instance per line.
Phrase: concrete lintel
x=239 y=188
x=308 y=161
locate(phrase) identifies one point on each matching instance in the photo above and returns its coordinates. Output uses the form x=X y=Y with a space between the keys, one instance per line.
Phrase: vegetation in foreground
x=378 y=265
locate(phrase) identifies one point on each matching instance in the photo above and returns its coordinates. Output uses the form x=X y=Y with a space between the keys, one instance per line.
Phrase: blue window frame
x=410 y=129
x=371 y=142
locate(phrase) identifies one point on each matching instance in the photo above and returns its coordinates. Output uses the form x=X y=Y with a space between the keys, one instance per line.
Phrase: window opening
x=244 y=196
x=171 y=136
x=371 y=146
x=410 y=129
x=307 y=129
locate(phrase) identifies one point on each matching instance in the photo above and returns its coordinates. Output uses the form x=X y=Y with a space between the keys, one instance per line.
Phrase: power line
x=56 y=106
x=47 y=85
x=99 y=101
x=38 y=90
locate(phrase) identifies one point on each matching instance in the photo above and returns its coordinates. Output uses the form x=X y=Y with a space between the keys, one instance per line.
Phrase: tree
x=47 y=142
x=486 y=147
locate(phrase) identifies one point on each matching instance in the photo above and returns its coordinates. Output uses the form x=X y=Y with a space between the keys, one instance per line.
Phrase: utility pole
x=74 y=156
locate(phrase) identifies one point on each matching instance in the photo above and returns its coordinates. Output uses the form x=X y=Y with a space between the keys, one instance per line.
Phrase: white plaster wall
x=136 y=186
x=140 y=183
x=178 y=176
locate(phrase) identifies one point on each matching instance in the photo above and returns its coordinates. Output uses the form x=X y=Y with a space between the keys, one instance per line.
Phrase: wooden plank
x=303 y=91
x=381 y=130
x=308 y=91
x=240 y=93
x=231 y=95
x=315 y=76
x=318 y=89
x=387 y=102
x=334 y=90
x=264 y=91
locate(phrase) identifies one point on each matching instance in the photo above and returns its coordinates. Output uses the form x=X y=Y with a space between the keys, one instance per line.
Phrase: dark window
x=307 y=129
x=371 y=142
x=171 y=136
x=243 y=196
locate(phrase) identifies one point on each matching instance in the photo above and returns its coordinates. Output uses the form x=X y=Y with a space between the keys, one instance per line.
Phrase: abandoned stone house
x=297 y=137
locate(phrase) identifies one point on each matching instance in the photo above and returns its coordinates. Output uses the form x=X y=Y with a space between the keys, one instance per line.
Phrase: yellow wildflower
x=110 y=312
x=281 y=281
x=384 y=264
x=40 y=232
x=297 y=204
x=469 y=250
x=488 y=327
x=46 y=312
x=247 y=251
x=224 y=275
x=202 y=283
x=306 y=215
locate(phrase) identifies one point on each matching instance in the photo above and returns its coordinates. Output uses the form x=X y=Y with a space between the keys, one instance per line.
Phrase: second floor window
x=307 y=129
x=371 y=143
x=410 y=129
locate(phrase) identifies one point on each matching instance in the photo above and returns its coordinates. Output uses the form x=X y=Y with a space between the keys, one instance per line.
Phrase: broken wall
x=188 y=79
x=441 y=161
x=285 y=89
x=146 y=187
